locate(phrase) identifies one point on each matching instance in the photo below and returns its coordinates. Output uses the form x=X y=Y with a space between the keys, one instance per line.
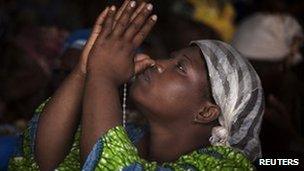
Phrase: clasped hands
x=110 y=50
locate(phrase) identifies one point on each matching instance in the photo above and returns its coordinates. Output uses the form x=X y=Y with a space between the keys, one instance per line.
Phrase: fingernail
x=132 y=4
x=113 y=8
x=150 y=7
x=154 y=17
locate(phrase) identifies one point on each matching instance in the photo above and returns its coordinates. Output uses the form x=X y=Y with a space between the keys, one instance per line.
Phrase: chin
x=139 y=90
x=141 y=98
x=137 y=94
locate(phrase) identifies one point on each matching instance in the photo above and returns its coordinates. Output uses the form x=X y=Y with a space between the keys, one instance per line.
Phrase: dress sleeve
x=24 y=155
x=113 y=151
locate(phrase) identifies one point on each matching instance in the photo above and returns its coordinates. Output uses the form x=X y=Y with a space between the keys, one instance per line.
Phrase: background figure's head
x=69 y=58
x=265 y=38
x=73 y=47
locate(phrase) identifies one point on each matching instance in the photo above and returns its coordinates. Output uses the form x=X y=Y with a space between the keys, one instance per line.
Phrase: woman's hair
x=237 y=90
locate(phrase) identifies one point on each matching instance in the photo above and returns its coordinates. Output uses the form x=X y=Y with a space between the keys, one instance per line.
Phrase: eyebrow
x=188 y=58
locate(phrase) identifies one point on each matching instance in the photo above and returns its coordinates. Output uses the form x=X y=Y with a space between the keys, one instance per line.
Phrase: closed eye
x=180 y=66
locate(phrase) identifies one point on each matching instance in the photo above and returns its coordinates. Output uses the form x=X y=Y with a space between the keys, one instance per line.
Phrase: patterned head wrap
x=237 y=90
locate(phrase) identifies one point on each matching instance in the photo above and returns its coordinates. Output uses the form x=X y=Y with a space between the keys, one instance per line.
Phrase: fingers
x=135 y=30
x=138 y=10
x=123 y=21
x=95 y=32
x=99 y=22
x=97 y=27
x=143 y=33
x=119 y=12
x=138 y=22
x=108 y=23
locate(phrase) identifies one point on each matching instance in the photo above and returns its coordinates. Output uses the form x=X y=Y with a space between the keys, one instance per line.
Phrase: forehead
x=192 y=51
x=195 y=54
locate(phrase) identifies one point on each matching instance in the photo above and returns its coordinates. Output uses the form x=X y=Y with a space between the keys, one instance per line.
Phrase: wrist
x=108 y=71
x=103 y=74
x=102 y=79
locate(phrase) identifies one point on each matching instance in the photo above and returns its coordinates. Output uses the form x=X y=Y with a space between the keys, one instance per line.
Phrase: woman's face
x=174 y=88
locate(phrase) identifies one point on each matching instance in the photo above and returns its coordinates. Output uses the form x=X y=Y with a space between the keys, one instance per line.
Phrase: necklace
x=124 y=105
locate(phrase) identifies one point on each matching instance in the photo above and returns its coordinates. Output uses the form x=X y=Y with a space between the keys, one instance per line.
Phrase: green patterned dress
x=115 y=150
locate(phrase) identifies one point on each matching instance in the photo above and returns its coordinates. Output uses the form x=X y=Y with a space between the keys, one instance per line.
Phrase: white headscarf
x=267 y=37
x=237 y=90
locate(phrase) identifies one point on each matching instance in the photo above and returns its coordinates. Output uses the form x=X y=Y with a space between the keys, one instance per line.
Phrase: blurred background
x=41 y=40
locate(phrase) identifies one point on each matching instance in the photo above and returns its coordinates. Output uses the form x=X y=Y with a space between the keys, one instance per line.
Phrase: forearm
x=111 y=64
x=101 y=110
x=59 y=121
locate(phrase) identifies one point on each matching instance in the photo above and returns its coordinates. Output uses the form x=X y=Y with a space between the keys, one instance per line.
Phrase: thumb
x=141 y=56
x=143 y=64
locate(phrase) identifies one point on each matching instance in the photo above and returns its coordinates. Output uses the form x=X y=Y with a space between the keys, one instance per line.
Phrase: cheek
x=163 y=96
x=171 y=92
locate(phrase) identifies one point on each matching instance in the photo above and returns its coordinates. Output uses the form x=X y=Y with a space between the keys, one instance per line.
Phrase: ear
x=208 y=113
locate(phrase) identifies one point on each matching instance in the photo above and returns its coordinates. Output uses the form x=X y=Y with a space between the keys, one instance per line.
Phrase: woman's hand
x=110 y=63
x=82 y=64
x=112 y=54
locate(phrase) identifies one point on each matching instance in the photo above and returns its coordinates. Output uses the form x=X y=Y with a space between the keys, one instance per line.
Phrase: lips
x=146 y=75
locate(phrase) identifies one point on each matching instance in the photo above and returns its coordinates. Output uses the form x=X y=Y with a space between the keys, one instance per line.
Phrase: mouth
x=145 y=75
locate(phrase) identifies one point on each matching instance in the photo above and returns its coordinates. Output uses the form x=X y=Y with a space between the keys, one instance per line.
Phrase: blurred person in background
x=271 y=39
x=37 y=86
x=216 y=14
x=29 y=52
x=69 y=57
x=23 y=83
x=29 y=59
x=22 y=86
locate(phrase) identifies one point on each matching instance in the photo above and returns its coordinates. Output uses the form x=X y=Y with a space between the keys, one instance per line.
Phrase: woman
x=182 y=109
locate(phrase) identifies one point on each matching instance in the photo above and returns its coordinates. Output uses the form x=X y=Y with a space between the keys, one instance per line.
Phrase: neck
x=169 y=142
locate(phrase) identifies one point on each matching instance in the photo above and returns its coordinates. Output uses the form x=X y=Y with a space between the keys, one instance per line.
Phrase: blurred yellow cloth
x=220 y=19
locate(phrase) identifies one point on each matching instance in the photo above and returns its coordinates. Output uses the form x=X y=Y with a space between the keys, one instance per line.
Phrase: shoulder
x=213 y=157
